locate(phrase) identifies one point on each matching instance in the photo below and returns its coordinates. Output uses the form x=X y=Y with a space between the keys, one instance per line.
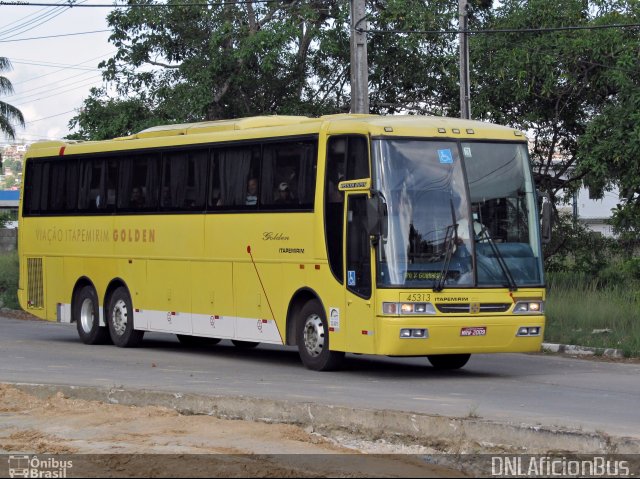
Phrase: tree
x=9 y=115
x=564 y=88
x=103 y=118
x=177 y=63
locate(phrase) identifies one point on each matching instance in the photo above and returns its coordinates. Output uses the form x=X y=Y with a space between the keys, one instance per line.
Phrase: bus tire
x=244 y=344
x=120 y=319
x=312 y=335
x=87 y=317
x=448 y=361
x=197 y=340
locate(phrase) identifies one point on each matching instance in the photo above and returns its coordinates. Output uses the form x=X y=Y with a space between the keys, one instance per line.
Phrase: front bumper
x=445 y=335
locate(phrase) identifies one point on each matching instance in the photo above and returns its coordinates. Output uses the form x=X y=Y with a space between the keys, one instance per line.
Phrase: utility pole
x=463 y=39
x=359 y=65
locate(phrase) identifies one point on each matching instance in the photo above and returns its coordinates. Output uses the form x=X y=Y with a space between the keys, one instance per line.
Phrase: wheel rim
x=119 y=316
x=86 y=315
x=314 y=335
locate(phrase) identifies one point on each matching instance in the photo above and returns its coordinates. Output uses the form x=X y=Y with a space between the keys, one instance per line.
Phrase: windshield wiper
x=449 y=241
x=513 y=286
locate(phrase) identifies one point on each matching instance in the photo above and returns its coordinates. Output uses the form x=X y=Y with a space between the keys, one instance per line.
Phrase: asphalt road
x=533 y=389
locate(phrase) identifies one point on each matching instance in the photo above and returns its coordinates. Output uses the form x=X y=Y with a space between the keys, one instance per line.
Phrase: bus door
x=360 y=311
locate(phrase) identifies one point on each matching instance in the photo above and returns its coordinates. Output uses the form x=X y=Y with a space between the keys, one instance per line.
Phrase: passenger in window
x=252 y=192
x=284 y=194
x=137 y=198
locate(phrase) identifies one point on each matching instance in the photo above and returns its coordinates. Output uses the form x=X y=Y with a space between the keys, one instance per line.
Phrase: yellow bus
x=387 y=235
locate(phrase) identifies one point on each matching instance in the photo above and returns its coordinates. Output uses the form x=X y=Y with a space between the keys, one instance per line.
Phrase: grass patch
x=581 y=310
x=9 y=280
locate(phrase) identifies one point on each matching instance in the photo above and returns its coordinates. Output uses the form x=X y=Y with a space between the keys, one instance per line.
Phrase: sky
x=51 y=77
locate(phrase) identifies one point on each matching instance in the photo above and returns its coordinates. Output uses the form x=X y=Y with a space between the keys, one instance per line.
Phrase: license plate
x=475 y=331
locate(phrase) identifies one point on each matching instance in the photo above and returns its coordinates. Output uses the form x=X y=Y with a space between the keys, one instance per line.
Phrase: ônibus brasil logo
x=32 y=466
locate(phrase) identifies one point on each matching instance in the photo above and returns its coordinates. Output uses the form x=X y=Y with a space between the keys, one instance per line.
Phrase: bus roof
x=283 y=125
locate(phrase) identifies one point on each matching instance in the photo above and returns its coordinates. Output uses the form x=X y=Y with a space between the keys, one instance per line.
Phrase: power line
x=54 y=36
x=64 y=68
x=47 y=117
x=503 y=30
x=28 y=98
x=26 y=26
x=134 y=5
x=27 y=93
x=52 y=65
x=22 y=18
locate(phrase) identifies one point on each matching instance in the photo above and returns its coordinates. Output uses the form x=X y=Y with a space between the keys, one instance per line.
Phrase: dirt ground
x=109 y=440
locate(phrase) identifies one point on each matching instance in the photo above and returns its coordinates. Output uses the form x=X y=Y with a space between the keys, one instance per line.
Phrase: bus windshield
x=460 y=214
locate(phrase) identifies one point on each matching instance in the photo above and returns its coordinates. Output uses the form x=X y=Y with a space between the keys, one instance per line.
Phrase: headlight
x=529 y=307
x=408 y=308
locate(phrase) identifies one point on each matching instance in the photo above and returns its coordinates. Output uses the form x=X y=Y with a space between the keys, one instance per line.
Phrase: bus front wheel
x=120 y=319
x=312 y=336
x=87 y=317
x=448 y=361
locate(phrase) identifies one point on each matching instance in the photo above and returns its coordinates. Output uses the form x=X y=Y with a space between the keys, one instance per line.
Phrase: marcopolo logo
x=32 y=466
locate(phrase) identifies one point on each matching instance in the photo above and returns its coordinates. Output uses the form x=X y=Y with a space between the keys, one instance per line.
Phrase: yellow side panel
x=212 y=292
x=251 y=301
x=170 y=284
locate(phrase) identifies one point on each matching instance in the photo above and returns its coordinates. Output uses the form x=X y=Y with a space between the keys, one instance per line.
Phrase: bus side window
x=288 y=175
x=33 y=188
x=357 y=158
x=333 y=201
x=358 y=247
x=57 y=187
x=214 y=197
x=235 y=166
x=184 y=180
x=91 y=195
x=138 y=183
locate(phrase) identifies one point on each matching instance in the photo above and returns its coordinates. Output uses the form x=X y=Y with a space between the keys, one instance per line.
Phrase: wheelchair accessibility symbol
x=351 y=278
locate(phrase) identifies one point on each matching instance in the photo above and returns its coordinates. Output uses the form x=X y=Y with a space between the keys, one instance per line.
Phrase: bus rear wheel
x=87 y=317
x=244 y=344
x=312 y=337
x=448 y=361
x=120 y=319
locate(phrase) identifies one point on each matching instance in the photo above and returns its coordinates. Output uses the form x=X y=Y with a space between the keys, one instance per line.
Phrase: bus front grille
x=453 y=308
x=35 y=286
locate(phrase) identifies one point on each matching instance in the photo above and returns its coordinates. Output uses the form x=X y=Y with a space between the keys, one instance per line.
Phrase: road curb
x=463 y=434
x=573 y=350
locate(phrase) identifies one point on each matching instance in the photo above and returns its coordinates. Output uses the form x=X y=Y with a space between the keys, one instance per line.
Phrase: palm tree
x=9 y=114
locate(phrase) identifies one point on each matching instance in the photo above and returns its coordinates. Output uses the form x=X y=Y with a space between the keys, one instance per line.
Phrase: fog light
x=535 y=331
x=418 y=333
x=422 y=333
